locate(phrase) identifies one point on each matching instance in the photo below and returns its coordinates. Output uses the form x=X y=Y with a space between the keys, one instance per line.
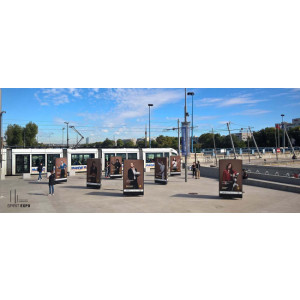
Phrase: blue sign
x=185 y=134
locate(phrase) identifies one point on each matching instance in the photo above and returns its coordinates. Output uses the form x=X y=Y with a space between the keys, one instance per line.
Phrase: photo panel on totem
x=230 y=178
x=161 y=170
x=94 y=172
x=61 y=169
x=175 y=165
x=133 y=177
x=115 y=167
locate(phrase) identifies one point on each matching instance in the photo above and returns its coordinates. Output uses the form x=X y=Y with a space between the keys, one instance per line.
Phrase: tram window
x=22 y=164
x=108 y=156
x=123 y=155
x=150 y=156
x=51 y=161
x=37 y=159
x=167 y=154
x=80 y=159
x=132 y=155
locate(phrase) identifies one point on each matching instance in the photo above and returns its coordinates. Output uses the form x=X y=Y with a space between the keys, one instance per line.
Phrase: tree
x=120 y=143
x=108 y=143
x=129 y=144
x=294 y=134
x=30 y=130
x=14 y=135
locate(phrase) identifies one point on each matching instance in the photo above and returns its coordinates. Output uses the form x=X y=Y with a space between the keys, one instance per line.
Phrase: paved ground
x=177 y=196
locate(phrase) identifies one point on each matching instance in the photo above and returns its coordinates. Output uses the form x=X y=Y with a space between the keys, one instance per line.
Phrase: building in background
x=242 y=136
x=87 y=141
x=295 y=123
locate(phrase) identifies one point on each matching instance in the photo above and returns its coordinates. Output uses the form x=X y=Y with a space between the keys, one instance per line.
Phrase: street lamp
x=283 y=134
x=62 y=142
x=67 y=133
x=149 y=126
x=192 y=94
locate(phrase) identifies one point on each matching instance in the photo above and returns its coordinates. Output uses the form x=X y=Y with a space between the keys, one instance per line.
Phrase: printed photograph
x=133 y=179
x=161 y=168
x=115 y=166
x=61 y=170
x=94 y=170
x=175 y=164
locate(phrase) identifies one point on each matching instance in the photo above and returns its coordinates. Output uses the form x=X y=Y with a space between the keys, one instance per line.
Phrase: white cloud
x=133 y=103
x=90 y=116
x=55 y=96
x=224 y=102
x=252 y=112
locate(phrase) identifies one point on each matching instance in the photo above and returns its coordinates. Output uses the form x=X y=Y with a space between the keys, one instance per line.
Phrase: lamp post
x=62 y=141
x=67 y=133
x=283 y=134
x=192 y=94
x=149 y=126
x=185 y=121
x=1 y=144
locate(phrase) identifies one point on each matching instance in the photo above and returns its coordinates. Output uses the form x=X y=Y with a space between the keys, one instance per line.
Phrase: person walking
x=198 y=170
x=51 y=184
x=40 y=170
x=194 y=169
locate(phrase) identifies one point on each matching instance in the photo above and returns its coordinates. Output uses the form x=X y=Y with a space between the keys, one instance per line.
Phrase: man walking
x=40 y=170
x=51 y=184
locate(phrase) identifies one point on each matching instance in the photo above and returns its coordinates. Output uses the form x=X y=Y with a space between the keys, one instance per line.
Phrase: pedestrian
x=194 y=169
x=198 y=170
x=40 y=170
x=51 y=183
x=107 y=171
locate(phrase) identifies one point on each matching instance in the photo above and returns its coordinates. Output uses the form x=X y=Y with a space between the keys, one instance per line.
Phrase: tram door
x=22 y=164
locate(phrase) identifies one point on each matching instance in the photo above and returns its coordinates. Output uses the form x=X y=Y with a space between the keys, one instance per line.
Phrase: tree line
x=15 y=135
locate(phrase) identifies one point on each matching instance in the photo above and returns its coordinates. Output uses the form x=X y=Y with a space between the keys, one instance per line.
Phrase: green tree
x=30 y=132
x=14 y=135
x=129 y=144
x=120 y=143
x=108 y=143
x=294 y=134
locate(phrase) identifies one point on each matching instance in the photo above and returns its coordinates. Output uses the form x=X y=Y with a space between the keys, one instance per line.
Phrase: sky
x=123 y=113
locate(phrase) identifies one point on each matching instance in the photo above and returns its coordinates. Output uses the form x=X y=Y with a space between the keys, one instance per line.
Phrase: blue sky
x=123 y=113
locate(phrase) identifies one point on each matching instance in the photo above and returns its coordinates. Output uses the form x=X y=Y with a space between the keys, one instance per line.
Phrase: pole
x=178 y=127
x=283 y=132
x=0 y=133
x=24 y=137
x=231 y=140
x=67 y=123
x=215 y=149
x=276 y=144
x=1 y=144
x=278 y=136
x=146 y=136
x=248 y=140
x=254 y=142
x=149 y=130
x=192 y=123
x=293 y=150
x=62 y=141
x=68 y=135
x=185 y=157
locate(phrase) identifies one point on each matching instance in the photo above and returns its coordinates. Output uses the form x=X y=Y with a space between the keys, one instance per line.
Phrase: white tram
x=21 y=160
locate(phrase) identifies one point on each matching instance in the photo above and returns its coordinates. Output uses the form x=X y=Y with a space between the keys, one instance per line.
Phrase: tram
x=21 y=160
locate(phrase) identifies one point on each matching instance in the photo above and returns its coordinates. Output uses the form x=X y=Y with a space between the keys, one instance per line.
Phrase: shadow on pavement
x=83 y=187
x=38 y=182
x=37 y=194
x=207 y=197
x=120 y=194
